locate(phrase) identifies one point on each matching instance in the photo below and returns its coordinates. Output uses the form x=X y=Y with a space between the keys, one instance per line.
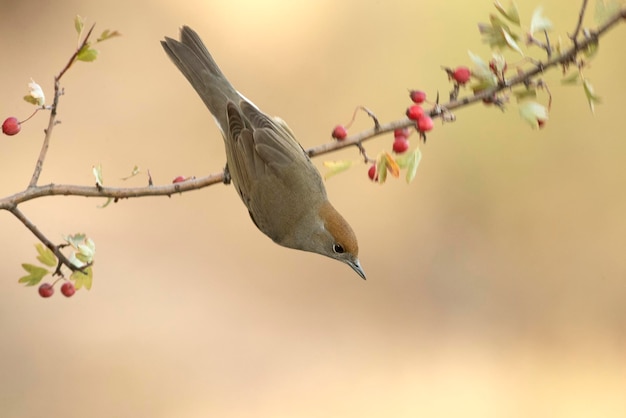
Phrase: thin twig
x=41 y=237
x=581 y=16
x=35 y=192
x=53 y=112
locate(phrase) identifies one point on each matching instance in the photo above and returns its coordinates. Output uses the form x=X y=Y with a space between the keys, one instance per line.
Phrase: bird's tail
x=196 y=63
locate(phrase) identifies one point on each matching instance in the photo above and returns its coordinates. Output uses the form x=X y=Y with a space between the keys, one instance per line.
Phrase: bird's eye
x=338 y=248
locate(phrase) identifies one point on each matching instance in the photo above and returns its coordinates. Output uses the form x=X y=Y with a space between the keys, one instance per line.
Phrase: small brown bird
x=275 y=178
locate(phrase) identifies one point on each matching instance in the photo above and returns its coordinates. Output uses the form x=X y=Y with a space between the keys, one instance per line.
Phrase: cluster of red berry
x=423 y=122
x=46 y=289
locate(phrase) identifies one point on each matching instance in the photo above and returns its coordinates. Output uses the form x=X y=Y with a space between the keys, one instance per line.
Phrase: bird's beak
x=356 y=266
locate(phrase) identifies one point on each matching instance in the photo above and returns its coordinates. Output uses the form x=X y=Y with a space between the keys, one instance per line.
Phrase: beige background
x=496 y=281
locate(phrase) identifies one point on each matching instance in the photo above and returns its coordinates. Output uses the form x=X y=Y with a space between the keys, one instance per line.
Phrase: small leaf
x=75 y=240
x=606 y=10
x=79 y=23
x=392 y=166
x=87 y=251
x=414 y=161
x=494 y=33
x=539 y=23
x=83 y=278
x=35 y=96
x=30 y=99
x=46 y=256
x=107 y=34
x=592 y=98
x=481 y=72
x=106 y=203
x=511 y=42
x=381 y=168
x=336 y=167
x=573 y=78
x=524 y=94
x=97 y=173
x=87 y=54
x=533 y=112
x=135 y=171
x=512 y=14
x=34 y=276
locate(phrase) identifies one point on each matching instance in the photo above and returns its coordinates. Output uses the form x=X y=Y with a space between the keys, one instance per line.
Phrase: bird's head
x=334 y=238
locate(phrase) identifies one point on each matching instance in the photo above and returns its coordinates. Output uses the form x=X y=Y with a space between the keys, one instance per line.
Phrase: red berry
x=417 y=96
x=401 y=133
x=425 y=123
x=414 y=112
x=371 y=173
x=400 y=145
x=340 y=133
x=179 y=179
x=68 y=289
x=461 y=75
x=46 y=290
x=11 y=126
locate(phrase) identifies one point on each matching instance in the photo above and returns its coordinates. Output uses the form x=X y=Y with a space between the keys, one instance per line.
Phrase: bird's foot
x=227 y=177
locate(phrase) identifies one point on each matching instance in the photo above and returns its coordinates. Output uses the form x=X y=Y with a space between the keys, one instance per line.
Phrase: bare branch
x=581 y=15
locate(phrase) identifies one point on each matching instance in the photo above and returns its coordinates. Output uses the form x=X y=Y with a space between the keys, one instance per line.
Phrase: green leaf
x=592 y=98
x=97 y=173
x=533 y=112
x=511 y=14
x=336 y=167
x=106 y=203
x=381 y=168
x=83 y=278
x=87 y=54
x=135 y=171
x=481 y=72
x=34 y=276
x=524 y=94
x=413 y=163
x=46 y=256
x=605 y=10
x=30 y=99
x=494 y=32
x=79 y=23
x=539 y=23
x=573 y=78
x=107 y=34
x=511 y=42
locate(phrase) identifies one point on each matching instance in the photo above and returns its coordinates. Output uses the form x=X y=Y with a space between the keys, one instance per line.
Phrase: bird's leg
x=227 y=177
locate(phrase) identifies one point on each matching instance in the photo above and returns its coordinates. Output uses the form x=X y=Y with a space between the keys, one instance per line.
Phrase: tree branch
x=33 y=191
x=36 y=232
x=53 y=111
x=581 y=16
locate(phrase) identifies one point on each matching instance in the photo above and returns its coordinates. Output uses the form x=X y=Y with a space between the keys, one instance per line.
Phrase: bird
x=272 y=173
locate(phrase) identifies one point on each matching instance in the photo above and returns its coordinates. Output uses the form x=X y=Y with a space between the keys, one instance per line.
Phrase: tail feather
x=196 y=63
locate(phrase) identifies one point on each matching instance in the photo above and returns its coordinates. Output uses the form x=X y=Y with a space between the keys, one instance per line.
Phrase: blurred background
x=496 y=281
